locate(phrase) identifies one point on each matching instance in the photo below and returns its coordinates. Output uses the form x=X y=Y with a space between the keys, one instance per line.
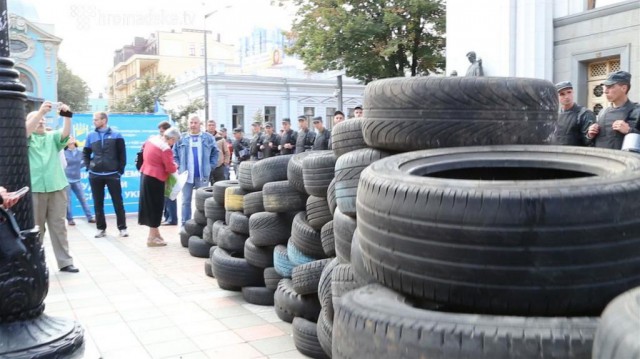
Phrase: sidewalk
x=140 y=302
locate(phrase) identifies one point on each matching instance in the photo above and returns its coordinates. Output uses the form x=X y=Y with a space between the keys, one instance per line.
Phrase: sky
x=92 y=30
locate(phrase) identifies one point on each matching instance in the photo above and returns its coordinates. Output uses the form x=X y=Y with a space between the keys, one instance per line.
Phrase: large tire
x=199 y=217
x=234 y=199
x=215 y=229
x=253 y=203
x=296 y=257
x=294 y=171
x=271 y=278
x=239 y=223
x=235 y=273
x=433 y=112
x=289 y=304
x=348 y=170
x=258 y=295
x=198 y=247
x=343 y=229
x=324 y=288
x=214 y=210
x=201 y=195
x=375 y=322
x=281 y=262
x=305 y=238
x=317 y=172
x=331 y=196
x=244 y=175
x=318 y=213
x=305 y=338
x=269 y=229
x=206 y=235
x=327 y=239
x=280 y=196
x=325 y=331
x=342 y=282
x=619 y=330
x=184 y=237
x=360 y=274
x=261 y=257
x=220 y=187
x=208 y=269
x=271 y=169
x=346 y=137
x=231 y=241
x=552 y=231
x=306 y=277
x=193 y=228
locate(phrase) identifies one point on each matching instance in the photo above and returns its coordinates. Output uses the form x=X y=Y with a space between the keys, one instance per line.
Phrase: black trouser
x=115 y=191
x=217 y=174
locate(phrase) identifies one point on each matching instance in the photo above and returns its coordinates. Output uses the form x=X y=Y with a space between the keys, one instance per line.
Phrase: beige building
x=168 y=52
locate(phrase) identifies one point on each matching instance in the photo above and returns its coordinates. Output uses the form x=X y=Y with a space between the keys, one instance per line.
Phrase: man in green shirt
x=48 y=181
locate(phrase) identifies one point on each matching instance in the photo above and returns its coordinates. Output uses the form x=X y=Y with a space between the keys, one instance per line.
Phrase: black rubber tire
x=342 y=282
x=244 y=175
x=199 y=217
x=258 y=295
x=198 y=247
x=253 y=203
x=305 y=238
x=206 y=235
x=261 y=257
x=548 y=246
x=184 y=238
x=296 y=257
x=343 y=229
x=281 y=262
x=327 y=239
x=208 y=269
x=331 y=196
x=234 y=199
x=234 y=273
x=201 y=195
x=324 y=288
x=193 y=228
x=220 y=187
x=280 y=196
x=318 y=171
x=619 y=328
x=408 y=114
x=269 y=229
x=376 y=322
x=347 y=137
x=325 y=331
x=348 y=170
x=230 y=241
x=271 y=278
x=271 y=169
x=239 y=223
x=318 y=213
x=215 y=229
x=289 y=304
x=360 y=273
x=305 y=338
x=214 y=210
x=294 y=171
x=227 y=216
x=306 y=277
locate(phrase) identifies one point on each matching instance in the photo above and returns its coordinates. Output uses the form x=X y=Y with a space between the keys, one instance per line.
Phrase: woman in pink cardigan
x=157 y=165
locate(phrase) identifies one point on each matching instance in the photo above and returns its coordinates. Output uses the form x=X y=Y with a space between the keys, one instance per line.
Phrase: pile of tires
x=195 y=231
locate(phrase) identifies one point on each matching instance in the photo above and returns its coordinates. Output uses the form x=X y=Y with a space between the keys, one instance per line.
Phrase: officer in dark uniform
x=323 y=135
x=620 y=119
x=254 y=144
x=306 y=137
x=241 y=146
x=573 y=121
x=269 y=142
x=288 y=138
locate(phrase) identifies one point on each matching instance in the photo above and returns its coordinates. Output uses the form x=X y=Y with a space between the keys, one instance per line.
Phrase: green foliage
x=181 y=116
x=143 y=99
x=257 y=117
x=371 y=39
x=72 y=90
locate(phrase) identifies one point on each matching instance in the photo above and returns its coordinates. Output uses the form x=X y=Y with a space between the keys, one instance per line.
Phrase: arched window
x=26 y=81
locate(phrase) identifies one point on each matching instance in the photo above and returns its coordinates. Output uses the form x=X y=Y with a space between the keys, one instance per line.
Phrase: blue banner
x=135 y=130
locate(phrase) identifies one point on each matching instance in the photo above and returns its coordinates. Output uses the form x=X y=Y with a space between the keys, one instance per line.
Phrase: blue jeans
x=76 y=188
x=227 y=173
x=187 y=193
x=170 y=211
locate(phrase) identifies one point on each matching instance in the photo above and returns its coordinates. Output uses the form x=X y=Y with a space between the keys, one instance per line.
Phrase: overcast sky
x=92 y=30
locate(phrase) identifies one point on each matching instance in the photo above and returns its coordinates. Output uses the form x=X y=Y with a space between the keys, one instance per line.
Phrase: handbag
x=11 y=245
x=139 y=158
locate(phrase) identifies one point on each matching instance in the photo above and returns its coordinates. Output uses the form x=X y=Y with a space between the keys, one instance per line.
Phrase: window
x=270 y=114
x=329 y=116
x=237 y=116
x=26 y=81
x=192 y=49
x=309 y=112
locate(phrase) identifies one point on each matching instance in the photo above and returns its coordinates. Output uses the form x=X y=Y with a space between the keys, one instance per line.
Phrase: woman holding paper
x=157 y=166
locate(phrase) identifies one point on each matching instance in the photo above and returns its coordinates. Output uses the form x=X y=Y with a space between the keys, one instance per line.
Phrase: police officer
x=574 y=120
x=241 y=146
x=288 y=138
x=254 y=144
x=620 y=119
x=305 y=136
x=270 y=141
x=323 y=135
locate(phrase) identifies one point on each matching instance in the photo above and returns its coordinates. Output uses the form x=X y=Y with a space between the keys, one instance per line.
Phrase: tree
x=257 y=117
x=370 y=39
x=72 y=90
x=181 y=116
x=143 y=99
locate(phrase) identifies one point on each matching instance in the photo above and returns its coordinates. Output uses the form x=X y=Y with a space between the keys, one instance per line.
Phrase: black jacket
x=573 y=125
x=269 y=151
x=290 y=137
x=322 y=140
x=105 y=153
x=608 y=138
x=254 y=146
x=305 y=140
x=241 y=150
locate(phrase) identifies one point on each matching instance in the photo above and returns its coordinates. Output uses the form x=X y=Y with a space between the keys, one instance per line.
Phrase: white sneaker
x=101 y=233
x=124 y=233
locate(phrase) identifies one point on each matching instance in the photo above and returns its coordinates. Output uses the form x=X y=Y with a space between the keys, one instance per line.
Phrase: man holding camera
x=48 y=181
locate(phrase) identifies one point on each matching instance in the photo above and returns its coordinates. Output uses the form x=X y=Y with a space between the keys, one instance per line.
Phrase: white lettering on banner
x=124 y=184
x=131 y=194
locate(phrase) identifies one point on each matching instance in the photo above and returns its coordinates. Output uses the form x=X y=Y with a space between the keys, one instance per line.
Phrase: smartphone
x=19 y=193
x=54 y=107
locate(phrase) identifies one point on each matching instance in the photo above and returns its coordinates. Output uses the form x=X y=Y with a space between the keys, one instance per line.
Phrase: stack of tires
x=195 y=230
x=508 y=251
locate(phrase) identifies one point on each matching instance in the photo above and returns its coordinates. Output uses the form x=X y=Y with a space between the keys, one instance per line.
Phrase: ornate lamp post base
x=42 y=337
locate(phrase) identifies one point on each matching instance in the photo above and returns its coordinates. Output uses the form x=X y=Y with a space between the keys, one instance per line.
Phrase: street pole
x=206 y=74
x=340 y=93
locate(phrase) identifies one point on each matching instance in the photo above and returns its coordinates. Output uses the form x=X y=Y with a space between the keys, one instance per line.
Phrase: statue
x=475 y=69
